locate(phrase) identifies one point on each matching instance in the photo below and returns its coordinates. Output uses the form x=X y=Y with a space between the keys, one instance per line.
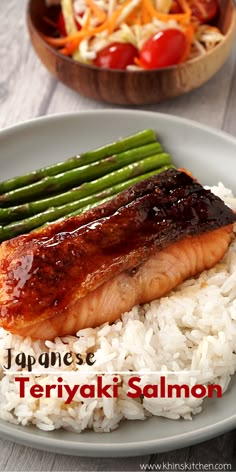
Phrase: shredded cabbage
x=67 y=10
x=76 y=11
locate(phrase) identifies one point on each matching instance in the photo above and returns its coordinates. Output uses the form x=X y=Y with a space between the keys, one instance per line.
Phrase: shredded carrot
x=73 y=45
x=138 y=62
x=145 y=14
x=100 y=14
x=180 y=17
x=70 y=48
x=134 y=17
x=62 y=41
x=86 y=25
x=137 y=19
x=130 y=19
x=80 y=35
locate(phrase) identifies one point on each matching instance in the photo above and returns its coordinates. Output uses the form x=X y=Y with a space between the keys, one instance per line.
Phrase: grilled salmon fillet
x=89 y=269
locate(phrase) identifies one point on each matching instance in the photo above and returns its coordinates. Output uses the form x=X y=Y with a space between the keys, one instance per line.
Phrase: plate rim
x=111 y=111
x=101 y=449
x=84 y=449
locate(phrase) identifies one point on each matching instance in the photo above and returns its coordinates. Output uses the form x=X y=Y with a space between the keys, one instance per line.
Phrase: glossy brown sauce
x=43 y=272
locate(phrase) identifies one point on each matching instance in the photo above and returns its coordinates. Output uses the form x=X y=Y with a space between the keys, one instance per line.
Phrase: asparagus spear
x=84 y=190
x=70 y=209
x=53 y=184
x=139 y=139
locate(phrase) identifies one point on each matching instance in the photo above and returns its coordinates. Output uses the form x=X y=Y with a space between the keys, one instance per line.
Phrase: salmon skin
x=59 y=279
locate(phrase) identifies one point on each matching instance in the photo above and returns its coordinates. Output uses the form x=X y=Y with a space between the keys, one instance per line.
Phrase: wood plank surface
x=27 y=91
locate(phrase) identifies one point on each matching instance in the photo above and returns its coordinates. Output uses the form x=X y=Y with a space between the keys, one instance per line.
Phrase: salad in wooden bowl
x=132 y=51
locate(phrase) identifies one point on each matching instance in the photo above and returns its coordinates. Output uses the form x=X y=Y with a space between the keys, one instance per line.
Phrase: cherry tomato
x=116 y=56
x=163 y=49
x=78 y=25
x=61 y=25
x=175 y=7
x=204 y=10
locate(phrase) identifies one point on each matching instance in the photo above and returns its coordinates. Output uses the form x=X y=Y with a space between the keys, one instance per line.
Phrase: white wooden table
x=27 y=91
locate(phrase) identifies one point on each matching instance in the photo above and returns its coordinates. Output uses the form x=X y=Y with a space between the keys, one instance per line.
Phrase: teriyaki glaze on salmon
x=86 y=270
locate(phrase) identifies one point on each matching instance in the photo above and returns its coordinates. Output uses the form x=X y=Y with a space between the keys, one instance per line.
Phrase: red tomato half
x=61 y=25
x=175 y=7
x=164 y=49
x=204 y=10
x=78 y=25
x=116 y=56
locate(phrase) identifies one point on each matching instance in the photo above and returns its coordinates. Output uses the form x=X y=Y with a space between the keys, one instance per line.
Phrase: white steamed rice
x=192 y=329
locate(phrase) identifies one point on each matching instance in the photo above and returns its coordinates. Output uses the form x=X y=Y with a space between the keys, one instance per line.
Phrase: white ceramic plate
x=211 y=156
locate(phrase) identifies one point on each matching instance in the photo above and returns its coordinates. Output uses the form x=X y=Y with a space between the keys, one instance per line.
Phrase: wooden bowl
x=130 y=87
